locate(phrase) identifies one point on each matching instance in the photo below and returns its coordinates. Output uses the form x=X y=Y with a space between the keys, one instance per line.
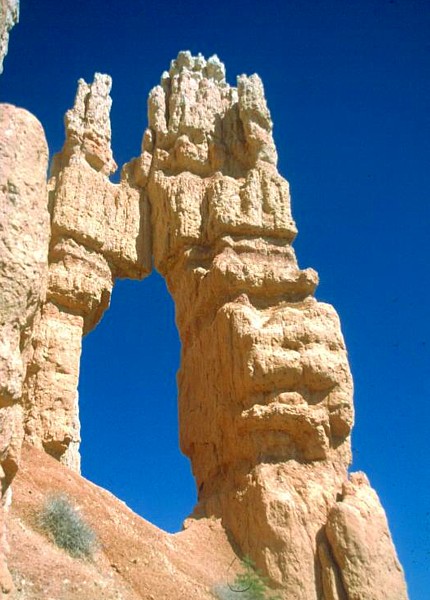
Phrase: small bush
x=248 y=585
x=66 y=527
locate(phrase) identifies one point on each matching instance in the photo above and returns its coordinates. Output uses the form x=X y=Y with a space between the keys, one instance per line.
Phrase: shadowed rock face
x=265 y=389
x=9 y=15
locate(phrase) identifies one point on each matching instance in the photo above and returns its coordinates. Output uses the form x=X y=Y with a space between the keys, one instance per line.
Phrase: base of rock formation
x=135 y=560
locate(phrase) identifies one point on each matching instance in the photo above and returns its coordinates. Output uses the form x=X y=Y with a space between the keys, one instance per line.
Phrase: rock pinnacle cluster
x=265 y=388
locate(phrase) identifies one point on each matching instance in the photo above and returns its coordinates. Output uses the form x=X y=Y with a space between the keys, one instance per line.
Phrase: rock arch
x=265 y=390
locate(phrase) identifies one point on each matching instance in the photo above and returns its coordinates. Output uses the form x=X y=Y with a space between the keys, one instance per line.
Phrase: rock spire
x=265 y=389
x=99 y=231
x=24 y=239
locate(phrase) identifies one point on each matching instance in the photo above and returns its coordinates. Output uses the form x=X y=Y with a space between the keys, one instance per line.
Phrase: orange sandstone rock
x=265 y=389
x=24 y=238
x=99 y=231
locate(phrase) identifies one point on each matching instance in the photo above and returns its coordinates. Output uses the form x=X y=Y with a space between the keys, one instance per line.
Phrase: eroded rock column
x=265 y=389
x=24 y=238
x=99 y=231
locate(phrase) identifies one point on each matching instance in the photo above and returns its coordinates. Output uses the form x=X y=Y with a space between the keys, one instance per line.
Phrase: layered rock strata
x=99 y=231
x=265 y=389
x=9 y=15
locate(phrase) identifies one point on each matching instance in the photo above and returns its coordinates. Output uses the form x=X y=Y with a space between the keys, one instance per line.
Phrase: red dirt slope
x=135 y=560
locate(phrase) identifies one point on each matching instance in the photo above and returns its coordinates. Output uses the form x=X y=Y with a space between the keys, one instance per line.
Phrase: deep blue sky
x=348 y=85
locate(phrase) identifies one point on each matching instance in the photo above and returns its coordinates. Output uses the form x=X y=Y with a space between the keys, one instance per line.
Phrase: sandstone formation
x=9 y=15
x=24 y=238
x=265 y=389
x=99 y=231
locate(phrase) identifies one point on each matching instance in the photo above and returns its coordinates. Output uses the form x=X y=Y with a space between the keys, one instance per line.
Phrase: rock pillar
x=265 y=389
x=24 y=238
x=99 y=232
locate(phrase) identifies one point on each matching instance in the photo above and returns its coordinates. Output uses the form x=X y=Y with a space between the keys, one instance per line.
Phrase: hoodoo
x=265 y=389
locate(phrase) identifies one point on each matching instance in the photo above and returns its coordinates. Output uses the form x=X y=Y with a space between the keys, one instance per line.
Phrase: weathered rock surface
x=99 y=231
x=265 y=389
x=24 y=238
x=361 y=544
x=9 y=15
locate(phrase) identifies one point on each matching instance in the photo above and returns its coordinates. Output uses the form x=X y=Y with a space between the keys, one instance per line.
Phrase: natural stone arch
x=265 y=390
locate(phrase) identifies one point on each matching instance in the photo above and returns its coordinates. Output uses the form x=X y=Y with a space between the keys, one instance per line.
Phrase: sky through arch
x=128 y=404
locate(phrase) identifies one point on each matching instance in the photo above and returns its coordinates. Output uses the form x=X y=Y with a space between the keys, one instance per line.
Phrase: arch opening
x=128 y=405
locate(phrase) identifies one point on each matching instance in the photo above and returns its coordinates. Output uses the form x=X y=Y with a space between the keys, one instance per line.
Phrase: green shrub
x=65 y=525
x=248 y=585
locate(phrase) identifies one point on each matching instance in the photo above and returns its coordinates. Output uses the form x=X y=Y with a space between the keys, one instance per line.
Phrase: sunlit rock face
x=265 y=389
x=24 y=239
x=250 y=326
x=98 y=232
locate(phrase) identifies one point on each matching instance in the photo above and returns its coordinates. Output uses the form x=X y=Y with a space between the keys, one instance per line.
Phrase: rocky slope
x=134 y=561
